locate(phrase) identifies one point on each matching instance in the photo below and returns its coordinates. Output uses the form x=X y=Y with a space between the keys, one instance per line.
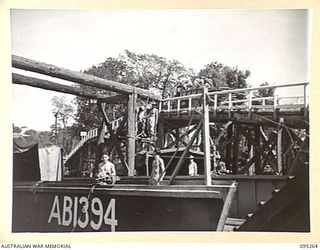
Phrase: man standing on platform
x=158 y=169
x=193 y=168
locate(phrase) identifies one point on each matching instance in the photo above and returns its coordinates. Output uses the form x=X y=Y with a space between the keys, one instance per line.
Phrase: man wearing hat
x=193 y=168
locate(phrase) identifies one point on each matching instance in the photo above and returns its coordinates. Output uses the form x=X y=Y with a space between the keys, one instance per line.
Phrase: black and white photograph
x=160 y=120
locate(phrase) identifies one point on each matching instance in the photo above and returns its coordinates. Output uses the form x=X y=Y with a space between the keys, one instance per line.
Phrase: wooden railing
x=92 y=134
x=245 y=99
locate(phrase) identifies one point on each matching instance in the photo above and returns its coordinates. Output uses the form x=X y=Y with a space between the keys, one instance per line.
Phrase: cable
x=34 y=188
x=82 y=209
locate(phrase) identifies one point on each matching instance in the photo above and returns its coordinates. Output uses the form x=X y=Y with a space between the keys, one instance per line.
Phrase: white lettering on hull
x=94 y=210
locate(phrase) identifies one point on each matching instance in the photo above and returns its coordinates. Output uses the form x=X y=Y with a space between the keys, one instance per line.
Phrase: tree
x=219 y=76
x=63 y=113
x=63 y=110
x=141 y=70
x=30 y=136
x=16 y=129
x=265 y=92
x=151 y=72
x=155 y=72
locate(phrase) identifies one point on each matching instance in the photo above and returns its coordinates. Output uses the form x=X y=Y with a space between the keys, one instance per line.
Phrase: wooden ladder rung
x=249 y=216
x=261 y=203
x=291 y=177
x=275 y=191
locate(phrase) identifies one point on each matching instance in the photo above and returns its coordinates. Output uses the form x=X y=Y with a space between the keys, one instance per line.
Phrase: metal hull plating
x=61 y=207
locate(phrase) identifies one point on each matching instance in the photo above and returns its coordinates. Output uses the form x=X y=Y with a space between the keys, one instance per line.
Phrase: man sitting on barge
x=106 y=170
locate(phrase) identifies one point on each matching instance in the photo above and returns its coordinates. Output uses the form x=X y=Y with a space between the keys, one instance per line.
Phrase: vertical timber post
x=305 y=100
x=229 y=146
x=89 y=168
x=275 y=104
x=252 y=169
x=177 y=138
x=147 y=163
x=257 y=151
x=131 y=149
x=235 y=151
x=229 y=104
x=206 y=138
x=249 y=102
x=161 y=134
x=279 y=147
x=215 y=106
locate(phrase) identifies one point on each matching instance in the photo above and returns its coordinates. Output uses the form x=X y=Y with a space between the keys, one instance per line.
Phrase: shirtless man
x=106 y=170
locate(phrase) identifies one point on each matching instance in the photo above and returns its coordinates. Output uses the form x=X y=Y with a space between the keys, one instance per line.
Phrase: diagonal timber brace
x=113 y=136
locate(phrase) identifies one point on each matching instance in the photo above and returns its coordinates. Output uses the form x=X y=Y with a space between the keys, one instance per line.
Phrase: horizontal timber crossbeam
x=49 y=85
x=81 y=78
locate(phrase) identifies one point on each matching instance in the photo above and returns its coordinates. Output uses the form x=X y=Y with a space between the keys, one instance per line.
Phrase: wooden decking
x=241 y=105
x=294 y=118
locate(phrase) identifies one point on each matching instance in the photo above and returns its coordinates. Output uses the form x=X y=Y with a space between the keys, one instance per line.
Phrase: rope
x=291 y=145
x=34 y=188
x=279 y=124
x=83 y=207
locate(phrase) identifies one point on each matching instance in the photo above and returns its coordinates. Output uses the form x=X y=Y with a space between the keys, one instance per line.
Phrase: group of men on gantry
x=147 y=120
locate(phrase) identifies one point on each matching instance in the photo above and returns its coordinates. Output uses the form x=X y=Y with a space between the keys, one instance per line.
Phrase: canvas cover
x=50 y=159
x=35 y=162
x=25 y=162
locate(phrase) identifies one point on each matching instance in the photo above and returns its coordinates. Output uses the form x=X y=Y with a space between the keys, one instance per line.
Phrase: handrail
x=215 y=104
x=221 y=92
x=93 y=133
x=228 y=101
x=257 y=88
x=180 y=97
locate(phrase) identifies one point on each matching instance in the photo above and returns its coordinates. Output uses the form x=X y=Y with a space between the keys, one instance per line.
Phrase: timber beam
x=271 y=141
x=293 y=118
x=184 y=154
x=81 y=78
x=131 y=141
x=235 y=148
x=113 y=136
x=257 y=150
x=53 y=86
x=114 y=99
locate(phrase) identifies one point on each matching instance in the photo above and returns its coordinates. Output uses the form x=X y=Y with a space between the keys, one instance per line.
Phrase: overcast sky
x=272 y=44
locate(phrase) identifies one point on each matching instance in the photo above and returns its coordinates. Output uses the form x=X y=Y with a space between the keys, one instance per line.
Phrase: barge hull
x=54 y=208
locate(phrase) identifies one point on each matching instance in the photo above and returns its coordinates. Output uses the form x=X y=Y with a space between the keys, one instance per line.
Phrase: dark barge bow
x=71 y=207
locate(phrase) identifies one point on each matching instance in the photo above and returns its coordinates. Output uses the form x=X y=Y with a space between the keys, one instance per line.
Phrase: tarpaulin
x=26 y=163
x=50 y=163
x=22 y=144
x=33 y=162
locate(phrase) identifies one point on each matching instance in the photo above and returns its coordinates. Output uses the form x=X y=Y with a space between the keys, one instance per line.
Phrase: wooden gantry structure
x=265 y=130
x=124 y=92
x=212 y=122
